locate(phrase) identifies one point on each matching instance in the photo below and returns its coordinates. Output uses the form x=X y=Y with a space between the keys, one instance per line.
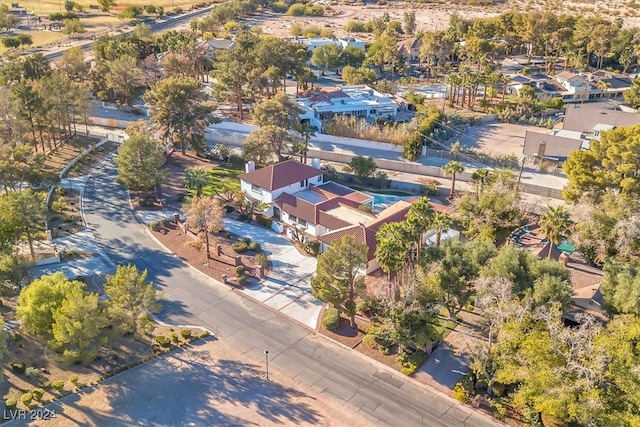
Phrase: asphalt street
x=190 y=298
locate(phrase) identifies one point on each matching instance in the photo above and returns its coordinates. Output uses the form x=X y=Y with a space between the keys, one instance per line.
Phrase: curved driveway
x=190 y=298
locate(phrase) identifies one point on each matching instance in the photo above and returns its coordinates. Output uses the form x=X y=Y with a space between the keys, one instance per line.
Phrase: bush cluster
x=264 y=221
x=299 y=9
x=58 y=385
x=155 y=226
x=240 y=247
x=331 y=318
x=262 y=259
x=10 y=403
x=254 y=246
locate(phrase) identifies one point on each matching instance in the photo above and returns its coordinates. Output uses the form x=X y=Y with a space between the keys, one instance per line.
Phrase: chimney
x=542 y=146
x=564 y=258
x=250 y=166
x=315 y=163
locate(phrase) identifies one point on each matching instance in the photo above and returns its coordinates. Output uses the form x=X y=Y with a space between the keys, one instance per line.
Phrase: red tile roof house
x=366 y=232
x=300 y=199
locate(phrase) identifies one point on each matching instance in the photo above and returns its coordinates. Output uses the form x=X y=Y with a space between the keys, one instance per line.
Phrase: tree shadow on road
x=189 y=388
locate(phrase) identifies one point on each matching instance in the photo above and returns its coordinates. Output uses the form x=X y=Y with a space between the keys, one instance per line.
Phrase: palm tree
x=419 y=220
x=196 y=179
x=452 y=168
x=554 y=224
x=439 y=224
x=307 y=130
x=504 y=79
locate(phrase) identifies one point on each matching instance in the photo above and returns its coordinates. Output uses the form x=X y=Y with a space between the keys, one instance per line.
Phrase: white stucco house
x=359 y=100
x=268 y=183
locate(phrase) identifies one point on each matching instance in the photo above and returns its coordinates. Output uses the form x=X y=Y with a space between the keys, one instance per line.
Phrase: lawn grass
x=444 y=325
x=223 y=175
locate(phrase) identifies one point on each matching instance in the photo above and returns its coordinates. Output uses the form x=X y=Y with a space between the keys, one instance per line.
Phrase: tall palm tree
x=419 y=220
x=307 y=130
x=452 y=168
x=439 y=224
x=197 y=178
x=554 y=224
x=504 y=79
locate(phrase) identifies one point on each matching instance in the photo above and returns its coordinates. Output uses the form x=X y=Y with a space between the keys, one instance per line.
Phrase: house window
x=304 y=183
x=293 y=219
x=256 y=189
x=302 y=223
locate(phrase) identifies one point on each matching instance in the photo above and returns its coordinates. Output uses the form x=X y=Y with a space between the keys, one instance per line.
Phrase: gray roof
x=584 y=117
x=558 y=147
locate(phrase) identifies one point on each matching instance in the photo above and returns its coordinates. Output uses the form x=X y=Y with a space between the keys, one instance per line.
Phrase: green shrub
x=241 y=280
x=185 y=333
x=62 y=191
x=331 y=318
x=18 y=367
x=32 y=372
x=145 y=202
x=165 y=222
x=174 y=337
x=262 y=259
x=73 y=379
x=296 y=9
x=58 y=385
x=370 y=341
x=203 y=334
x=177 y=10
x=254 y=246
x=37 y=394
x=459 y=393
x=311 y=247
x=246 y=239
x=10 y=403
x=155 y=226
x=67 y=218
x=240 y=270
x=163 y=341
x=264 y=221
x=500 y=411
x=240 y=247
x=26 y=399
x=279 y=7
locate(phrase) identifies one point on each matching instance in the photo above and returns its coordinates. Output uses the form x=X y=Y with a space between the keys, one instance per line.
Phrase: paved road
x=189 y=298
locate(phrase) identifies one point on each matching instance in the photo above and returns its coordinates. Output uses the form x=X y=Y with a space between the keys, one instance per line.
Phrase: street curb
x=392 y=371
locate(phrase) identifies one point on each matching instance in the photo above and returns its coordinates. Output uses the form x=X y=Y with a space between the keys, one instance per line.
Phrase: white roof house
x=360 y=101
x=314 y=42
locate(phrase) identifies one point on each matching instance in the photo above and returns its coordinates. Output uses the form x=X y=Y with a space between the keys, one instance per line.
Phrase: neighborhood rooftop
x=280 y=175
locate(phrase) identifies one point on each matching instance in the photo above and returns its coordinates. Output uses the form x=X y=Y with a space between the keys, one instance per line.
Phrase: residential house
x=553 y=148
x=321 y=209
x=365 y=232
x=312 y=43
x=410 y=48
x=581 y=124
x=266 y=184
x=585 y=280
x=572 y=87
x=209 y=47
x=360 y=101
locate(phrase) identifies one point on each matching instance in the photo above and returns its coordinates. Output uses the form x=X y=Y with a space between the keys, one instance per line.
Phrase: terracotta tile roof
x=366 y=233
x=280 y=175
x=314 y=213
x=333 y=189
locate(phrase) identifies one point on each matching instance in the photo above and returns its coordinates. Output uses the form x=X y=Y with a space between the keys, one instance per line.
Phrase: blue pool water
x=383 y=201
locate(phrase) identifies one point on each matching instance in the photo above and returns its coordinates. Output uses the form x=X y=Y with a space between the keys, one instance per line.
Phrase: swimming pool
x=383 y=201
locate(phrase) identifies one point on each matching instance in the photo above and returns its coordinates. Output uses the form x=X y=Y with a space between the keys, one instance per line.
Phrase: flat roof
x=349 y=214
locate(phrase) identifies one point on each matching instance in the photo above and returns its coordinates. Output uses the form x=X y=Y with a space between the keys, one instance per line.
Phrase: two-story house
x=268 y=183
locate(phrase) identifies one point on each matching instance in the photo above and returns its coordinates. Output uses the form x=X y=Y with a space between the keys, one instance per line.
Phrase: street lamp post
x=522 y=160
x=266 y=358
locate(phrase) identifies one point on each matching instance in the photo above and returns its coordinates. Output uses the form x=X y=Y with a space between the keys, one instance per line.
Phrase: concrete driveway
x=287 y=288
